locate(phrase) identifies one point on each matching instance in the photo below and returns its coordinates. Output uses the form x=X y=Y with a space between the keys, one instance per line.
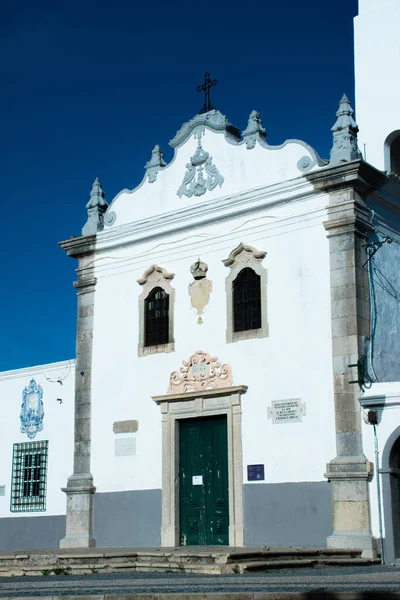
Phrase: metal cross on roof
x=207 y=85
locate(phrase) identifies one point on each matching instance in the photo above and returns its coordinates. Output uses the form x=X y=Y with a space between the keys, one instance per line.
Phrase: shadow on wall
x=382 y=347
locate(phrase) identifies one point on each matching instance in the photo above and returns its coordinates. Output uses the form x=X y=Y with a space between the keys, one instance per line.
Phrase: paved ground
x=345 y=579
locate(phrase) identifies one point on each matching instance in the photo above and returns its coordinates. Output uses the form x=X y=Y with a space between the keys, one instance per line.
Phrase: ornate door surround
x=202 y=388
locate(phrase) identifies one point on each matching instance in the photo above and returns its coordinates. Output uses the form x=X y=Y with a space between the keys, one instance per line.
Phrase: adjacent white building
x=221 y=306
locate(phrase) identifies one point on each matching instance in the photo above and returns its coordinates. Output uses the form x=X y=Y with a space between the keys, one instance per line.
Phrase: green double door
x=203 y=487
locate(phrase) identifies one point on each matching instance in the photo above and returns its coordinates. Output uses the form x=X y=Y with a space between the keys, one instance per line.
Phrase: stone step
x=179 y=560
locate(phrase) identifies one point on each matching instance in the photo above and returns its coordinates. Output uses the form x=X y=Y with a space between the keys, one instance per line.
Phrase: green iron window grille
x=29 y=477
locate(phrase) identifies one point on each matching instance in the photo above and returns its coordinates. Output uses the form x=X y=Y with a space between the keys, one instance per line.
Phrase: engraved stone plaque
x=125 y=446
x=2 y=490
x=200 y=369
x=286 y=411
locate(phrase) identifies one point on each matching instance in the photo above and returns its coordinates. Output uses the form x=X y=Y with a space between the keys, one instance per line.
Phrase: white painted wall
x=295 y=361
x=58 y=429
x=377 y=54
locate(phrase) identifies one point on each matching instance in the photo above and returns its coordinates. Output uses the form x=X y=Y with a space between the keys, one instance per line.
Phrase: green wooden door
x=203 y=482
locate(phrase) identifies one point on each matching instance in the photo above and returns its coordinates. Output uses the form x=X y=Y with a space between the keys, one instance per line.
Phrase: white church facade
x=237 y=367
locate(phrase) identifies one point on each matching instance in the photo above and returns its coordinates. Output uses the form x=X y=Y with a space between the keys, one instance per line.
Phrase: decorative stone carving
x=243 y=254
x=305 y=164
x=194 y=183
x=96 y=207
x=110 y=218
x=154 y=276
x=200 y=289
x=345 y=130
x=213 y=120
x=200 y=372
x=254 y=130
x=155 y=164
x=32 y=412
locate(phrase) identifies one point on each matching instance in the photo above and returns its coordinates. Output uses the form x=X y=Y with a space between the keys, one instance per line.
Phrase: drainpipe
x=373 y=420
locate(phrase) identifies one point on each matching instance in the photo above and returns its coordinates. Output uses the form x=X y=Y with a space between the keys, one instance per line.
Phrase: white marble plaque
x=197 y=480
x=2 y=490
x=286 y=411
x=125 y=446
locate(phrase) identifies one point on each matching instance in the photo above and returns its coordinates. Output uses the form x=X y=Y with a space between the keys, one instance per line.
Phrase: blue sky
x=89 y=87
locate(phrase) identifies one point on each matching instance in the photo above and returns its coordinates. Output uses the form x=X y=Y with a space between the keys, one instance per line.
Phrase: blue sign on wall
x=255 y=473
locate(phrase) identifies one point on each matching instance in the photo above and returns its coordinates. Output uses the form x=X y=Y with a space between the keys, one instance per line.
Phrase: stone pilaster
x=80 y=489
x=349 y=472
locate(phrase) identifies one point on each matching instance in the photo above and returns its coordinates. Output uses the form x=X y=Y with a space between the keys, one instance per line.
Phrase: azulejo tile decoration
x=32 y=412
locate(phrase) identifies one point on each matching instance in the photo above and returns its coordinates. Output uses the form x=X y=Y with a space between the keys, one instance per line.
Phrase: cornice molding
x=182 y=397
x=358 y=174
x=222 y=209
x=36 y=370
x=79 y=246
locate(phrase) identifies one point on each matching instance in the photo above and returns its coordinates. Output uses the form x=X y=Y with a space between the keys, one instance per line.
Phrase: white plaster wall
x=58 y=429
x=239 y=166
x=294 y=361
x=389 y=420
x=377 y=54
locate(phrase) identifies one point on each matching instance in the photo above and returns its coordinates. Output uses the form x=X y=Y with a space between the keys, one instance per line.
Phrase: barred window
x=247 y=301
x=156 y=308
x=29 y=477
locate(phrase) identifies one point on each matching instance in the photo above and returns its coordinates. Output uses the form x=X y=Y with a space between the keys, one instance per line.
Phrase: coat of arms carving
x=200 y=372
x=194 y=182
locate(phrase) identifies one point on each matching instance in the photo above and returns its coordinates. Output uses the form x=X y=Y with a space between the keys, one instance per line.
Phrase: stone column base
x=353 y=541
x=79 y=521
x=349 y=477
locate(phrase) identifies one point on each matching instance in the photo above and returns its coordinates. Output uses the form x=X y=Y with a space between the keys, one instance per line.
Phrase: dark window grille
x=247 y=301
x=156 y=311
x=29 y=477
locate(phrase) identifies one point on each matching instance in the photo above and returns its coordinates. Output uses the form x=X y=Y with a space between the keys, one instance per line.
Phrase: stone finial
x=156 y=163
x=345 y=132
x=254 y=130
x=96 y=207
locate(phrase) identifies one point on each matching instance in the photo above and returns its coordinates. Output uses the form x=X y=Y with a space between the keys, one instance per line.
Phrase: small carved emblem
x=32 y=412
x=200 y=289
x=194 y=183
x=199 y=292
x=200 y=372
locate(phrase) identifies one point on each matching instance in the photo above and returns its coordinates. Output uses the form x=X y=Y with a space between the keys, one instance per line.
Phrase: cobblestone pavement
x=345 y=579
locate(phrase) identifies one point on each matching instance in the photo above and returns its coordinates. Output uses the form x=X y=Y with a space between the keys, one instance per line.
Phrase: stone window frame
x=153 y=277
x=245 y=256
x=198 y=404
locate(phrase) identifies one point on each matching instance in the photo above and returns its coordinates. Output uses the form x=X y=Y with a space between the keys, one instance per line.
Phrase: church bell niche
x=200 y=289
x=32 y=412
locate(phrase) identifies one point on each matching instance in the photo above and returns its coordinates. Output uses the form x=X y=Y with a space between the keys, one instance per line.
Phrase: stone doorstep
x=176 y=567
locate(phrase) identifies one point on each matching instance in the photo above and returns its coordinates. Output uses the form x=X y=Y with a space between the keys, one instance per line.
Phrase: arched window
x=156 y=312
x=392 y=152
x=156 y=308
x=395 y=156
x=246 y=301
x=246 y=294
